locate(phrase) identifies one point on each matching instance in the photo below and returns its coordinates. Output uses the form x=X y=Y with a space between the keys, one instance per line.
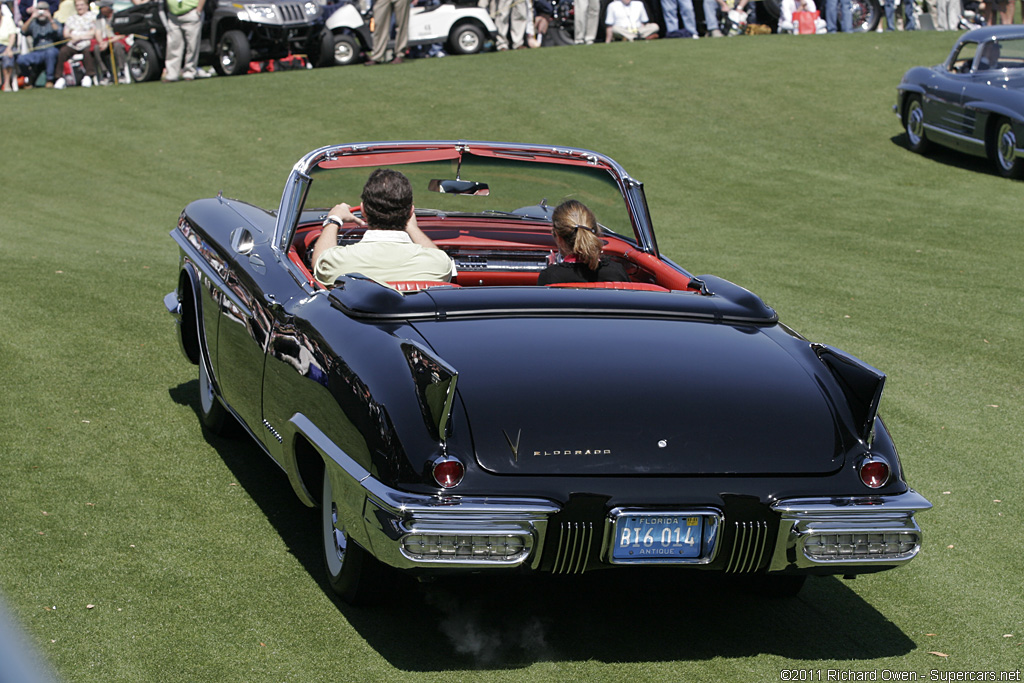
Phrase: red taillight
x=874 y=473
x=448 y=472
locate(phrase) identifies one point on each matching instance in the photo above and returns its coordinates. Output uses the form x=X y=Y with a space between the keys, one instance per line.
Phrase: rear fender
x=860 y=383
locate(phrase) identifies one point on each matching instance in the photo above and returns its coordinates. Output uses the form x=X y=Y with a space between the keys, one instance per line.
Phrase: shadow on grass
x=514 y=620
x=952 y=158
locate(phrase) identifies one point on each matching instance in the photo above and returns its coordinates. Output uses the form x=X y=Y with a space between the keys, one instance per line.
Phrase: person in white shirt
x=393 y=248
x=79 y=31
x=627 y=20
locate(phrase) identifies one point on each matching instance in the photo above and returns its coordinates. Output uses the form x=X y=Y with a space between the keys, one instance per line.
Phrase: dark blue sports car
x=491 y=424
x=972 y=102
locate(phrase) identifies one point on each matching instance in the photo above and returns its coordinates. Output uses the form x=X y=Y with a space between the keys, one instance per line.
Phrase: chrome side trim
x=931 y=127
x=380 y=517
x=803 y=519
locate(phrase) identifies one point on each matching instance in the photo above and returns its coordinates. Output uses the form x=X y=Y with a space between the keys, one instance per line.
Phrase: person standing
x=675 y=10
x=908 y=13
x=383 y=12
x=8 y=45
x=586 y=15
x=184 y=29
x=947 y=15
x=844 y=11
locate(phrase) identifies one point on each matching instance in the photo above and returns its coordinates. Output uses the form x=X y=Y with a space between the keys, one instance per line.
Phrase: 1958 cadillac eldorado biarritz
x=491 y=424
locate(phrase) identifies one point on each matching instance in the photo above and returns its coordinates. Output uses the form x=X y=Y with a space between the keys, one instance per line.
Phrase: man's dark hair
x=387 y=200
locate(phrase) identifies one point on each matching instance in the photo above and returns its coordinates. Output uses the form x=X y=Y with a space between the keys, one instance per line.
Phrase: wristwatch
x=333 y=219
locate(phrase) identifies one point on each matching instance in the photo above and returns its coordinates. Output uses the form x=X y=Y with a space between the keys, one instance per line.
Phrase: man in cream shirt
x=393 y=247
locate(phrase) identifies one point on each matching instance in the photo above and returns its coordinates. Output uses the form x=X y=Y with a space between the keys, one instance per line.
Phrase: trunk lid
x=602 y=396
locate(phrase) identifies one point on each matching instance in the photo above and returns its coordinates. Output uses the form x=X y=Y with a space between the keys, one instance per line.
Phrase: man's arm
x=417 y=235
x=329 y=237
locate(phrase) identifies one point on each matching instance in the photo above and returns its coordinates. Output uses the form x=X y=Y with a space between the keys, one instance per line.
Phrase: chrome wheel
x=353 y=574
x=1006 y=149
x=335 y=542
x=212 y=414
x=914 y=125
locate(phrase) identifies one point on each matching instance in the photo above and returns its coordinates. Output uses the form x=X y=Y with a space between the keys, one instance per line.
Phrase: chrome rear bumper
x=847 y=532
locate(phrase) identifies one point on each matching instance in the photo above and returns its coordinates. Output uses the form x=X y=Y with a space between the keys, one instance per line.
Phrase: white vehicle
x=462 y=29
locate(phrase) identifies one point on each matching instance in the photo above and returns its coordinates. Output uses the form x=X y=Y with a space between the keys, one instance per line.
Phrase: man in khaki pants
x=184 y=27
x=383 y=10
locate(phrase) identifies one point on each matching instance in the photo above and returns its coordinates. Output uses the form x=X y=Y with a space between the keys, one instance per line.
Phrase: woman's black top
x=607 y=271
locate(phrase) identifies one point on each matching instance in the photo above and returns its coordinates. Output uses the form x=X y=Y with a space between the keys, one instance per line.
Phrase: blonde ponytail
x=576 y=226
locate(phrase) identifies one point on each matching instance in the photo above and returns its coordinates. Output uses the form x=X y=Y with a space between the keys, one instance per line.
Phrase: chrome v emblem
x=513 y=446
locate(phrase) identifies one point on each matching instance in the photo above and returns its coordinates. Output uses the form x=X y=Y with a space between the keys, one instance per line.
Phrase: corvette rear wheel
x=1004 y=150
x=913 y=124
x=352 y=572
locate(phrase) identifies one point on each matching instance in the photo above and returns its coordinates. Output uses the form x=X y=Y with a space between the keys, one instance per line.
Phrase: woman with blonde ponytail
x=578 y=237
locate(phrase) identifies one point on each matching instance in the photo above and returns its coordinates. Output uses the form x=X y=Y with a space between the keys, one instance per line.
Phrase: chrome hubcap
x=206 y=398
x=1006 y=146
x=334 y=538
x=342 y=53
x=915 y=123
x=469 y=42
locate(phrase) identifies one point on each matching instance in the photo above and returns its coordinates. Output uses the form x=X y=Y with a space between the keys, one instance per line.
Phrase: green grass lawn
x=133 y=547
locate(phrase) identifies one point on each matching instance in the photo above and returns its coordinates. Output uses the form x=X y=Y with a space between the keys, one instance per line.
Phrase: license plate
x=654 y=537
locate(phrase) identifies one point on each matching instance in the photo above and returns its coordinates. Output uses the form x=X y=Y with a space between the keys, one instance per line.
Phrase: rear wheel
x=143 y=61
x=352 y=572
x=913 y=124
x=211 y=412
x=233 y=54
x=1003 y=146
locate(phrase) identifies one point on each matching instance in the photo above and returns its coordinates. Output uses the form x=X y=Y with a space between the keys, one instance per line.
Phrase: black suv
x=234 y=34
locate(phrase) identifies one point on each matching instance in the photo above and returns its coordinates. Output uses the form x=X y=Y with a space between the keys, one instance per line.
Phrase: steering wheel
x=343 y=232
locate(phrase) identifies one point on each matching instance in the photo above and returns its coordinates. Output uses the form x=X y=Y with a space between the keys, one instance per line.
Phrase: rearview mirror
x=459 y=187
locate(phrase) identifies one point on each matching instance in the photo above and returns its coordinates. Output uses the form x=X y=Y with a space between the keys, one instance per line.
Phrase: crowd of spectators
x=37 y=40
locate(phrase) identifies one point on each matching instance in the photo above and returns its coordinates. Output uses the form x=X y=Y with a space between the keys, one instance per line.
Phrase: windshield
x=529 y=190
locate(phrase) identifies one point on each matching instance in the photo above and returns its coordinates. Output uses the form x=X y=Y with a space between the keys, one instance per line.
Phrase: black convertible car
x=972 y=102
x=491 y=424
